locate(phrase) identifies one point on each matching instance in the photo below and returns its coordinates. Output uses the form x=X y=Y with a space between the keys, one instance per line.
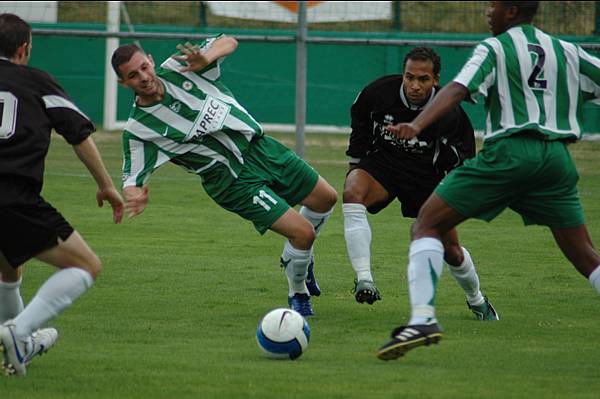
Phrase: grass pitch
x=174 y=313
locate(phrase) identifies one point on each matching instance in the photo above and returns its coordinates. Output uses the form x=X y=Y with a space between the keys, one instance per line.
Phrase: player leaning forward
x=32 y=104
x=184 y=114
x=534 y=86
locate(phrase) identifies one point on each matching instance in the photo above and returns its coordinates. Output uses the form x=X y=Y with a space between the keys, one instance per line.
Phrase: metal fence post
x=597 y=19
x=202 y=16
x=396 y=15
x=110 y=78
x=301 y=78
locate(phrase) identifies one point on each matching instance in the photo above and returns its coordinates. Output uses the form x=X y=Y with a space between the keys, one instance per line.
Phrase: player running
x=31 y=105
x=534 y=86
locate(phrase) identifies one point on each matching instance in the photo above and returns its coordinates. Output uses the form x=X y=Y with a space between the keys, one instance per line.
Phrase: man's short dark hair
x=122 y=55
x=425 y=54
x=527 y=9
x=14 y=32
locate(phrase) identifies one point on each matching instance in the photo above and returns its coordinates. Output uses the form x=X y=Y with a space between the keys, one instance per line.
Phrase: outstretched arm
x=448 y=98
x=89 y=155
x=196 y=59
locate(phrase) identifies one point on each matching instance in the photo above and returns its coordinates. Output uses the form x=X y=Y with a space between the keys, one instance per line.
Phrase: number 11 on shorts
x=259 y=199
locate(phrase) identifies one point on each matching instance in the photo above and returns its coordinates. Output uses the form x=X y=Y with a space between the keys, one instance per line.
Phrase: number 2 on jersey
x=8 y=114
x=534 y=82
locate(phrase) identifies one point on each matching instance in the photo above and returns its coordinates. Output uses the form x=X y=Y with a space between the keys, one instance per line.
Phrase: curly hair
x=425 y=54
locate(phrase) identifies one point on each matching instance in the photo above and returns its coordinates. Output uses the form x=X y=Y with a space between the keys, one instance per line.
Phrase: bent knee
x=331 y=197
x=92 y=265
x=304 y=238
x=353 y=197
x=453 y=255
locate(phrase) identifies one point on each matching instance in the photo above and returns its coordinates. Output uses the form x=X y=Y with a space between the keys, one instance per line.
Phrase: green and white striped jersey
x=531 y=80
x=198 y=125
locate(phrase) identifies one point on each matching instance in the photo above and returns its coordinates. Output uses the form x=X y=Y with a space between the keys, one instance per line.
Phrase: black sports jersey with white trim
x=31 y=105
x=439 y=148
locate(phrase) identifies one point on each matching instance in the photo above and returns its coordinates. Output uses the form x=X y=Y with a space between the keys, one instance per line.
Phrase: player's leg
x=79 y=267
x=426 y=259
x=11 y=302
x=298 y=183
x=275 y=179
x=461 y=266
x=361 y=191
x=296 y=256
x=577 y=246
x=317 y=207
x=555 y=202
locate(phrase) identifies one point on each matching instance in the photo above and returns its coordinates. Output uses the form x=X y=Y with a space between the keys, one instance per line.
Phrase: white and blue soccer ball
x=283 y=334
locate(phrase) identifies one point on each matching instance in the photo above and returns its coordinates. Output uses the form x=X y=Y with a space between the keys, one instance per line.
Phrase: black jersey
x=31 y=105
x=436 y=150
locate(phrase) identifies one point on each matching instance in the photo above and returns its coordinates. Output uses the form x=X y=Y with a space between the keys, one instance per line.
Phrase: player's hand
x=192 y=56
x=404 y=131
x=111 y=195
x=136 y=200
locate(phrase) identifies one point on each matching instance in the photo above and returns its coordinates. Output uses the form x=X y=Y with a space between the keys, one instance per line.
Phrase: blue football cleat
x=301 y=304
x=311 y=282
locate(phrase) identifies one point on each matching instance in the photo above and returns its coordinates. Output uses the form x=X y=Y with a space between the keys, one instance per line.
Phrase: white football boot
x=42 y=339
x=17 y=354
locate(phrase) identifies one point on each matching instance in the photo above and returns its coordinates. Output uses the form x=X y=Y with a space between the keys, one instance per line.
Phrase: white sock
x=11 y=302
x=357 y=233
x=54 y=296
x=595 y=278
x=426 y=262
x=317 y=219
x=295 y=262
x=467 y=278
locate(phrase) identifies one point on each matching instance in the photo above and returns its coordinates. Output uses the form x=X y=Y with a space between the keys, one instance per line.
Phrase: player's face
x=138 y=74
x=419 y=80
x=498 y=17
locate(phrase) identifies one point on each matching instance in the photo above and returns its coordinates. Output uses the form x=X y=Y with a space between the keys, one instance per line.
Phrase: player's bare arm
x=89 y=155
x=196 y=59
x=447 y=99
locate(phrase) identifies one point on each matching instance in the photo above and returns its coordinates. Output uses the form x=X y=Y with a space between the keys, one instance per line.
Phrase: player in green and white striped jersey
x=184 y=114
x=534 y=86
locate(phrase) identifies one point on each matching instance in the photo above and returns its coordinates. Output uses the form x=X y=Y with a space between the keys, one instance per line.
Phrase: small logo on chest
x=175 y=106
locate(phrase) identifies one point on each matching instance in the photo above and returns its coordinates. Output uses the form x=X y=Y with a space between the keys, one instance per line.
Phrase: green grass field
x=174 y=313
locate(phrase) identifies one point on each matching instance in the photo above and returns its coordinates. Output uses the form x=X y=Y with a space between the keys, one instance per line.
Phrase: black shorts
x=28 y=229
x=412 y=191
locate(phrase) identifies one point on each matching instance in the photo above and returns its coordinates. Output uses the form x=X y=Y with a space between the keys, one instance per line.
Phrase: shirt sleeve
x=140 y=159
x=66 y=118
x=589 y=68
x=478 y=74
x=362 y=128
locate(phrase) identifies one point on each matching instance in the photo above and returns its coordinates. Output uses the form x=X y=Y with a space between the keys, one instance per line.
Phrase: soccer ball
x=283 y=334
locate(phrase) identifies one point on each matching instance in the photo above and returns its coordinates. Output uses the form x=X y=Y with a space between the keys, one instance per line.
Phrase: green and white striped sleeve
x=140 y=159
x=589 y=67
x=479 y=72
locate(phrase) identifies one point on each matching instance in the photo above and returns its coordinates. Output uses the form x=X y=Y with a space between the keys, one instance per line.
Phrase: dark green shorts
x=272 y=180
x=533 y=177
